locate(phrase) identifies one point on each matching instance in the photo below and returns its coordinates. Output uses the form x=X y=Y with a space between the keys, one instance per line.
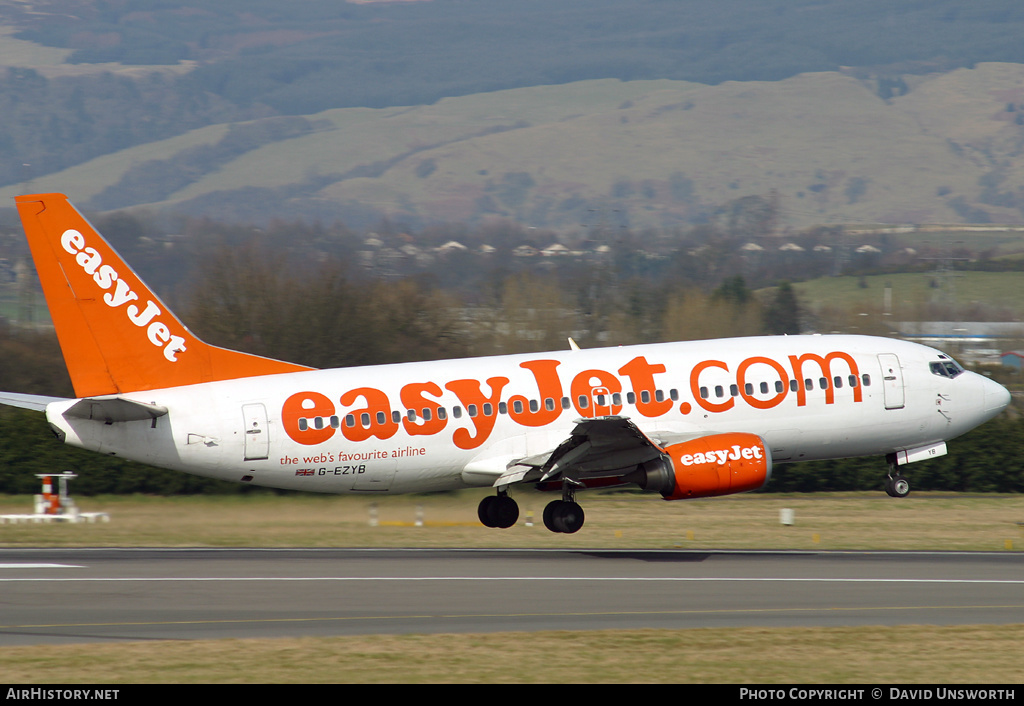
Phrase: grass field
x=839 y=521
x=978 y=654
x=910 y=292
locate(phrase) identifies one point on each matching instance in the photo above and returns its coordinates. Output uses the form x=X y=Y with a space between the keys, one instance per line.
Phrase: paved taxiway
x=88 y=595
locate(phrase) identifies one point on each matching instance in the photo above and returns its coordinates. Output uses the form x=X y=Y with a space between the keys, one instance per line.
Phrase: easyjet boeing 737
x=685 y=420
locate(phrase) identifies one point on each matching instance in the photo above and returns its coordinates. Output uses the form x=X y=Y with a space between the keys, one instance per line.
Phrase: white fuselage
x=350 y=430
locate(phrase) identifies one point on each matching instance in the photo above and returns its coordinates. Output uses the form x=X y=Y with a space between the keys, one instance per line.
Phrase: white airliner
x=685 y=420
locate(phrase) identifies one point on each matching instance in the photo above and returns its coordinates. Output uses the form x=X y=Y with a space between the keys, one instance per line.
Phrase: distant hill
x=616 y=112
x=642 y=153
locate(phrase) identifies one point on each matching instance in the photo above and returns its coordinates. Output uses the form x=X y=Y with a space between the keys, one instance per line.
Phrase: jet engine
x=718 y=464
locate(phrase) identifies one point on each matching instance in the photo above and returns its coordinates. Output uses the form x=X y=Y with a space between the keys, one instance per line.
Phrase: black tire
x=483 y=510
x=568 y=517
x=503 y=512
x=552 y=512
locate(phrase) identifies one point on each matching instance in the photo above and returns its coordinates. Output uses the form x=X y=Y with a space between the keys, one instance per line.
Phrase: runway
x=98 y=595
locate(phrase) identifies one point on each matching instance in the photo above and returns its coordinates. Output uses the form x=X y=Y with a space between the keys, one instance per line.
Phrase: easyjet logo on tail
x=120 y=293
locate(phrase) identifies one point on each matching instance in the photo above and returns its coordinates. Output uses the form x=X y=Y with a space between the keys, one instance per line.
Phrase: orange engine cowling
x=718 y=464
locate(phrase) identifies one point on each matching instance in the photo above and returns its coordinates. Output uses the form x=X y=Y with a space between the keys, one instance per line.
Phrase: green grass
x=911 y=291
x=614 y=520
x=871 y=655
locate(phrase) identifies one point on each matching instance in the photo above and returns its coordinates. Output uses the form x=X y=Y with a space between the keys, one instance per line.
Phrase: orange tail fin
x=116 y=335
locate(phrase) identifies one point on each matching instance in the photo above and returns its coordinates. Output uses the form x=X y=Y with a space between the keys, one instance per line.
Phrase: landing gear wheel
x=498 y=511
x=898 y=487
x=564 y=516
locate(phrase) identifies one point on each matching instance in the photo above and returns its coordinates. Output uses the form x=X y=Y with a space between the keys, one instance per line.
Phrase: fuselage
x=440 y=425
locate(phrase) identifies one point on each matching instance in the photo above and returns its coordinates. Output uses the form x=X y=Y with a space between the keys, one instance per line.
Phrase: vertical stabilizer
x=116 y=335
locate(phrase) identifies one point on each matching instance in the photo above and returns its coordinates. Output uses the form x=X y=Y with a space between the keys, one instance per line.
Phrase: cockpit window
x=946 y=368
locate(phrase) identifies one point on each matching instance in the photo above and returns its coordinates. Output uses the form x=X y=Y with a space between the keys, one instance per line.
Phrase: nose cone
x=997 y=398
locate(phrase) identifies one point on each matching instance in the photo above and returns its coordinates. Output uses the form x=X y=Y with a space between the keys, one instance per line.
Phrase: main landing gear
x=896 y=485
x=564 y=516
x=498 y=511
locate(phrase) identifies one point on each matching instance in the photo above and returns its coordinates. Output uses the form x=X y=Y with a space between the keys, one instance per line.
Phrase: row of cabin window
x=487 y=408
x=748 y=388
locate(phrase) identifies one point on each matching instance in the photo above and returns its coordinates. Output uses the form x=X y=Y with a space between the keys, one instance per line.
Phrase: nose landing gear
x=896 y=485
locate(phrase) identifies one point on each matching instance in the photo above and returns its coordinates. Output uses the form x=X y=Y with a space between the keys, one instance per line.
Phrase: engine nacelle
x=718 y=464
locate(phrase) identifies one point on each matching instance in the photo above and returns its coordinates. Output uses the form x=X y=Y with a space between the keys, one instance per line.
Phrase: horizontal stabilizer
x=36 y=402
x=114 y=409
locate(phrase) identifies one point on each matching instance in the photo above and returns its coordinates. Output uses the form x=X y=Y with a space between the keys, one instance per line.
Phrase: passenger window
x=471 y=409
x=630 y=398
x=517 y=406
x=549 y=404
x=719 y=391
x=488 y=409
x=703 y=393
x=838 y=381
x=865 y=379
x=534 y=406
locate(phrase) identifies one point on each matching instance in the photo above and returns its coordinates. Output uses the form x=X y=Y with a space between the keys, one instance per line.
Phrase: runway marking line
x=694 y=579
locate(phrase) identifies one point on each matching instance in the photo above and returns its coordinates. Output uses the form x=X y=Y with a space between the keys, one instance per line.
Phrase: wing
x=598 y=449
x=609 y=451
